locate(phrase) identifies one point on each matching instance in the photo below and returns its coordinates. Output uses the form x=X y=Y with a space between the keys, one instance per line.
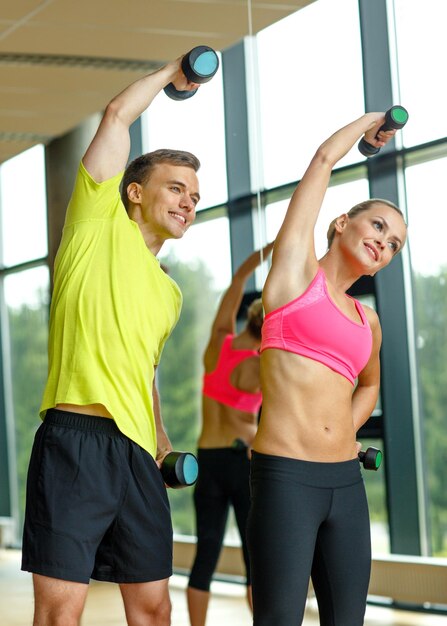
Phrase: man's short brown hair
x=140 y=169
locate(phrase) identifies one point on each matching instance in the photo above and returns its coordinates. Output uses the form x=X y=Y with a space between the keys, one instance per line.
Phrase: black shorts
x=96 y=505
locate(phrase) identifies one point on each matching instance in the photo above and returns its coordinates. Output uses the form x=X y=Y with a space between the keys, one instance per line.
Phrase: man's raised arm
x=109 y=150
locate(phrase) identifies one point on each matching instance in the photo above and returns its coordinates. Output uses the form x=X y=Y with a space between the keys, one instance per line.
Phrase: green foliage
x=28 y=329
x=431 y=331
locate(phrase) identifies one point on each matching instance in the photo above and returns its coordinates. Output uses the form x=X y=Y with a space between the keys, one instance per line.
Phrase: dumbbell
x=239 y=445
x=179 y=469
x=199 y=66
x=395 y=118
x=371 y=459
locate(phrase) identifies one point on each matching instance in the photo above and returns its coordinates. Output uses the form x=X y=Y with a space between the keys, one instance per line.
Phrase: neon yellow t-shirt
x=112 y=309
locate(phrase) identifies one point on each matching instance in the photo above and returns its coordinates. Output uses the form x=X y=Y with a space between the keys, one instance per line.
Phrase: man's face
x=169 y=199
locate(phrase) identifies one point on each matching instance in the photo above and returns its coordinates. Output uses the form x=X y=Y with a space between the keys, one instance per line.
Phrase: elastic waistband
x=79 y=421
x=221 y=452
x=314 y=474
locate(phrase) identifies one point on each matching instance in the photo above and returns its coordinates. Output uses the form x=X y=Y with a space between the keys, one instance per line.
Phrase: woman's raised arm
x=294 y=261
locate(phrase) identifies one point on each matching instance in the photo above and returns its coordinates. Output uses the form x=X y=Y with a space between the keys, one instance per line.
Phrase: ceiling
x=63 y=60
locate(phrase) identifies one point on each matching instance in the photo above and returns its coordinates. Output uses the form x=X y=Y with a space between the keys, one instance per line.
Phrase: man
x=96 y=502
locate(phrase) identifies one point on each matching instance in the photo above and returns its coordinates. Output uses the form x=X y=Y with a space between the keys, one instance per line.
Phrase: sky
x=304 y=94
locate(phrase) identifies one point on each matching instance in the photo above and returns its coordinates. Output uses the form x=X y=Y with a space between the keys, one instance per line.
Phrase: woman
x=230 y=405
x=309 y=514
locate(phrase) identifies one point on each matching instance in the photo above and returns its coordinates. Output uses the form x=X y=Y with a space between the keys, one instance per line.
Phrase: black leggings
x=308 y=519
x=224 y=476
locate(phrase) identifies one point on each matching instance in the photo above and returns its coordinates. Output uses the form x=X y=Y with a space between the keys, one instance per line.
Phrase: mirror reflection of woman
x=231 y=400
x=309 y=514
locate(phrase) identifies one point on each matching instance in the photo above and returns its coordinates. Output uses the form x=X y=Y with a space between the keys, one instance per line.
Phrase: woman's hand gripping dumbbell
x=371 y=458
x=395 y=119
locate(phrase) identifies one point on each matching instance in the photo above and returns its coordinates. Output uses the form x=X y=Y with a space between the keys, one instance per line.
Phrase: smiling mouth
x=178 y=217
x=372 y=251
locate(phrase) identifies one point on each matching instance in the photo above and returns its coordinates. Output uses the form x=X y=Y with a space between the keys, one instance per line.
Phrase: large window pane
x=310 y=81
x=26 y=297
x=196 y=125
x=426 y=216
x=421 y=54
x=23 y=207
x=376 y=492
x=200 y=264
x=206 y=243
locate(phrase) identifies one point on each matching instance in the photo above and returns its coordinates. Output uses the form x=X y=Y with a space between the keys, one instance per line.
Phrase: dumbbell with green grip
x=371 y=458
x=395 y=119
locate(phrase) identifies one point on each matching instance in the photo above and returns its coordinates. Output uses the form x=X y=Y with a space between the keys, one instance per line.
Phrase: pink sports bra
x=216 y=384
x=313 y=326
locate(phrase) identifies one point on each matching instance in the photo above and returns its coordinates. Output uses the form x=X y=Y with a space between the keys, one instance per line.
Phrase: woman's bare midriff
x=306 y=410
x=99 y=410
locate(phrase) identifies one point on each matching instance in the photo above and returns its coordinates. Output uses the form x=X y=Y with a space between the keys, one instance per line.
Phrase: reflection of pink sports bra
x=216 y=384
x=313 y=326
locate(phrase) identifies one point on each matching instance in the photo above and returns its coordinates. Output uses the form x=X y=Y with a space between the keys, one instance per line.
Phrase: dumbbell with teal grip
x=371 y=459
x=179 y=469
x=199 y=66
x=395 y=119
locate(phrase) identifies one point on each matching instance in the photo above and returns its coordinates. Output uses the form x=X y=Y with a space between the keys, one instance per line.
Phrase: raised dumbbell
x=371 y=458
x=199 y=66
x=179 y=469
x=395 y=118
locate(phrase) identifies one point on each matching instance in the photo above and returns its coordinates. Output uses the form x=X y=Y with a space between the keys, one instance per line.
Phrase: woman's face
x=373 y=237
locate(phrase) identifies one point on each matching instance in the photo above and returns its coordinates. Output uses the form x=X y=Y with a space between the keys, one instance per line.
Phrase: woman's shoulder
x=284 y=287
x=214 y=348
x=372 y=317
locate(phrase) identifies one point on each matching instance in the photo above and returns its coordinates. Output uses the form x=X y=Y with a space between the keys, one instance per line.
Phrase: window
x=200 y=264
x=426 y=238
x=26 y=299
x=23 y=207
x=339 y=199
x=421 y=50
x=23 y=228
x=196 y=125
x=376 y=492
x=310 y=83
